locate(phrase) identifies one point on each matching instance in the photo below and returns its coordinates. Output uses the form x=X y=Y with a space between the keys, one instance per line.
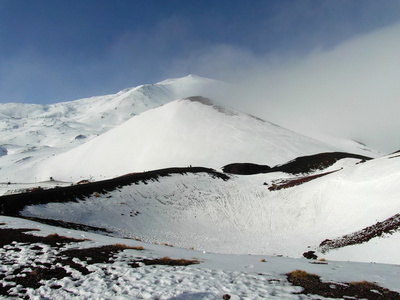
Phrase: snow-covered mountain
x=305 y=197
x=143 y=128
x=191 y=131
x=31 y=132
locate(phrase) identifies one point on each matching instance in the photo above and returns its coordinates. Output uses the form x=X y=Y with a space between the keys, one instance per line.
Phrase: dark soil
x=104 y=254
x=42 y=272
x=7 y=236
x=36 y=273
x=312 y=284
x=166 y=261
x=32 y=277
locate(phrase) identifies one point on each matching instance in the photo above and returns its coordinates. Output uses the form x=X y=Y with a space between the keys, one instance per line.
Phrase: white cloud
x=350 y=91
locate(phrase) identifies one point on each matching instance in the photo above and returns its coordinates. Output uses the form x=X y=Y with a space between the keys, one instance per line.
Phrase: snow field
x=181 y=133
x=241 y=276
x=240 y=215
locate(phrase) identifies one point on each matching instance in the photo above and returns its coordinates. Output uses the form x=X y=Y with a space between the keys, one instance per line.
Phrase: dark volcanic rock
x=307 y=164
x=246 y=169
x=300 y=165
x=310 y=255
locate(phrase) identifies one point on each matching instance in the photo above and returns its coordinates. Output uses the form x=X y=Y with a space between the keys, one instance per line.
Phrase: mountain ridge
x=189 y=131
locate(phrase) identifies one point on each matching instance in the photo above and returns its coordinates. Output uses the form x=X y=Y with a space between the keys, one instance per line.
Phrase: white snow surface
x=30 y=133
x=145 y=134
x=242 y=216
x=241 y=276
x=181 y=133
x=231 y=225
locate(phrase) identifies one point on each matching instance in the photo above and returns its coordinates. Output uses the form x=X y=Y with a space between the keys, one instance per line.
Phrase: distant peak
x=194 y=76
x=187 y=77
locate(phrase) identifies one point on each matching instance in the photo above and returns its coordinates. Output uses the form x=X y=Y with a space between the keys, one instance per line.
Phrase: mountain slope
x=243 y=215
x=30 y=133
x=191 y=131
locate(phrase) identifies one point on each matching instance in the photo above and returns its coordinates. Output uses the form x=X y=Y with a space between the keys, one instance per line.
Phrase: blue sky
x=53 y=50
x=307 y=65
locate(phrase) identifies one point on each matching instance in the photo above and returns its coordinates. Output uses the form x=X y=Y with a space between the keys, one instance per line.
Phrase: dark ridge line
x=11 y=205
x=320 y=161
x=300 y=165
x=246 y=169
x=389 y=226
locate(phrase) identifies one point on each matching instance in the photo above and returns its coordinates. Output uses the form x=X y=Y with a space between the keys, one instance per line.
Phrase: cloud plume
x=349 y=91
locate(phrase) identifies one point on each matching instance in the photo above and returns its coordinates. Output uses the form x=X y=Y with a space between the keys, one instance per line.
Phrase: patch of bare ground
x=388 y=226
x=103 y=254
x=8 y=236
x=26 y=275
x=313 y=285
x=59 y=263
x=166 y=261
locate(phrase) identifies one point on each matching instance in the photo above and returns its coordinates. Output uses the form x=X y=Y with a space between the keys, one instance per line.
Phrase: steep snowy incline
x=30 y=133
x=242 y=215
x=191 y=131
x=41 y=125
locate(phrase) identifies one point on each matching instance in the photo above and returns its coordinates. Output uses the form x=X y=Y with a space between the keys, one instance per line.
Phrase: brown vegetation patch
x=35 y=273
x=103 y=254
x=26 y=275
x=31 y=278
x=42 y=272
x=312 y=284
x=166 y=261
x=8 y=235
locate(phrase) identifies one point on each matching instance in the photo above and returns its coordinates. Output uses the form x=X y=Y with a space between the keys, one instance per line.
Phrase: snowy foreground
x=240 y=276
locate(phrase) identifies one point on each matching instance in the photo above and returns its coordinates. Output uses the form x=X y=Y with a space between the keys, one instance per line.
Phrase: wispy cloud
x=350 y=90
